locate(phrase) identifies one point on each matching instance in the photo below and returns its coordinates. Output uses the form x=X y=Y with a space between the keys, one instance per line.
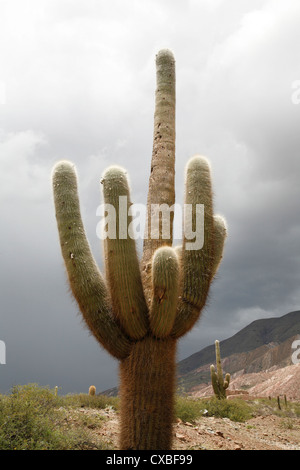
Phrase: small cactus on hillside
x=140 y=311
x=218 y=383
x=92 y=390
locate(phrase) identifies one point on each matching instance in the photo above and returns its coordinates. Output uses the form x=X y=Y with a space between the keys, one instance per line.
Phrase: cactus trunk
x=147 y=379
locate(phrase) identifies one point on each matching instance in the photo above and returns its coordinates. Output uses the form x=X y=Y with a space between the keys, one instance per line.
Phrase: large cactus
x=219 y=384
x=140 y=312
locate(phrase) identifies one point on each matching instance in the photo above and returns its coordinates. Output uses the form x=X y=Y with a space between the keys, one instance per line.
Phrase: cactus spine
x=139 y=312
x=219 y=384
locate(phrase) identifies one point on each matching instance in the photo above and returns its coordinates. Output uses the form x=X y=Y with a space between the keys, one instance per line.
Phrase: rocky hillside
x=284 y=381
x=264 y=345
x=260 y=348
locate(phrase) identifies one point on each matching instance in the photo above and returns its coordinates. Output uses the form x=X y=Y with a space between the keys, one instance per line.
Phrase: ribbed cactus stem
x=214 y=381
x=165 y=277
x=218 y=383
x=85 y=279
x=162 y=176
x=139 y=312
x=122 y=265
x=218 y=363
x=196 y=263
x=226 y=380
x=147 y=395
x=220 y=234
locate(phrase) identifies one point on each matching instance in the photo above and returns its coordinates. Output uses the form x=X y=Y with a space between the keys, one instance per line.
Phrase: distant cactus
x=92 y=390
x=55 y=390
x=140 y=312
x=278 y=403
x=218 y=383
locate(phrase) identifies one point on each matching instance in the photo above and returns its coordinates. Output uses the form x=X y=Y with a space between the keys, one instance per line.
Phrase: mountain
x=274 y=382
x=261 y=345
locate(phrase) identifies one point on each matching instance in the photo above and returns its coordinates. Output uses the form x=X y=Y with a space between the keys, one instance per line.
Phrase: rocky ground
x=265 y=432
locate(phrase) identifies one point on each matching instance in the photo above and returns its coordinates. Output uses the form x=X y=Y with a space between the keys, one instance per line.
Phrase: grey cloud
x=80 y=85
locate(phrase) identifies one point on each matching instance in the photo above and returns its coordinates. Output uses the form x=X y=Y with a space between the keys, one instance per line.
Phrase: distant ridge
x=256 y=334
x=264 y=343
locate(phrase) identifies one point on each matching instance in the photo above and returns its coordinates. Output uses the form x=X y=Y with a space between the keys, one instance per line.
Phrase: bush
x=236 y=409
x=188 y=409
x=264 y=406
x=31 y=419
x=90 y=401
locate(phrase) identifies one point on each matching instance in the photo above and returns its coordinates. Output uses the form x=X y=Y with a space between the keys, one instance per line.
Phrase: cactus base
x=147 y=395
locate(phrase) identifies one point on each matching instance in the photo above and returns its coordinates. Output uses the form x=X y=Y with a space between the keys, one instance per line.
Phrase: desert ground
x=264 y=432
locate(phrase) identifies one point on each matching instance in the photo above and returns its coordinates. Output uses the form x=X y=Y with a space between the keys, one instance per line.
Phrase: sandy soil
x=260 y=433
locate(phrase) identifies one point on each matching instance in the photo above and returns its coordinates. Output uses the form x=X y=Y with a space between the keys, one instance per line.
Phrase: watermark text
x=2 y=352
x=296 y=353
x=295 y=97
x=2 y=93
x=133 y=221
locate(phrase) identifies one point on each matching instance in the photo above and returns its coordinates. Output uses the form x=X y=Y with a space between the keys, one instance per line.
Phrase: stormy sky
x=77 y=82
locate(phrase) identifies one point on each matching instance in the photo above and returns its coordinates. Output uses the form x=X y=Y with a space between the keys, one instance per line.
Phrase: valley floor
x=268 y=432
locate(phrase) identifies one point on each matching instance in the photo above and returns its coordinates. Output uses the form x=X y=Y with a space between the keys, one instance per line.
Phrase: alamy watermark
x=157 y=226
x=2 y=92
x=2 y=353
x=295 y=97
x=296 y=353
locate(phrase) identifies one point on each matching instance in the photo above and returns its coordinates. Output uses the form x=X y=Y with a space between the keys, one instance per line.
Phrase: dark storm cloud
x=80 y=84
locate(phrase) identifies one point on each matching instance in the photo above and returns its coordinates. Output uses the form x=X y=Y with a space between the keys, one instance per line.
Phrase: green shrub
x=188 y=409
x=235 y=410
x=264 y=406
x=31 y=419
x=296 y=409
x=90 y=401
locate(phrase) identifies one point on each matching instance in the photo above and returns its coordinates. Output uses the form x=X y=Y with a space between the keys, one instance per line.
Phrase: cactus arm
x=226 y=381
x=162 y=176
x=122 y=266
x=196 y=264
x=220 y=234
x=165 y=276
x=85 y=279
